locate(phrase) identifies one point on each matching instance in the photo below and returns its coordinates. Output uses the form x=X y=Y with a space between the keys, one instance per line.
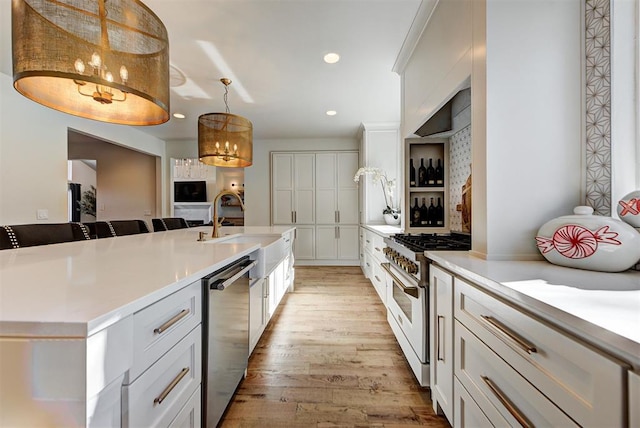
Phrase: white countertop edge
x=383 y=229
x=78 y=330
x=604 y=340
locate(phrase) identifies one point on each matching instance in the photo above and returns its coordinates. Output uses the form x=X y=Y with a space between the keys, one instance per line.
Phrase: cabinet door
x=282 y=205
x=304 y=184
x=347 y=194
x=348 y=243
x=441 y=338
x=304 y=244
x=256 y=315
x=326 y=188
x=326 y=242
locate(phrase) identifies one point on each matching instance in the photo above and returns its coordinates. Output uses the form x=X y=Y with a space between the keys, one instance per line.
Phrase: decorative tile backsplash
x=459 y=170
x=598 y=106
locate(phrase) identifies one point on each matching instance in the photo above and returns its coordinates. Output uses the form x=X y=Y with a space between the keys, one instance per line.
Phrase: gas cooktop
x=432 y=241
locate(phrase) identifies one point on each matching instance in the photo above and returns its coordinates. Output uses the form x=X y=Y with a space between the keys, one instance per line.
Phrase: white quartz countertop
x=383 y=229
x=601 y=308
x=78 y=288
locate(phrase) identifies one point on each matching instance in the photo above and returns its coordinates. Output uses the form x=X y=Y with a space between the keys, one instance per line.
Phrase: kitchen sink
x=272 y=250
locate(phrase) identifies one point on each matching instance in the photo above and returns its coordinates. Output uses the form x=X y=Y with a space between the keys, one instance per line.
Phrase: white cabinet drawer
x=467 y=414
x=499 y=390
x=156 y=397
x=379 y=281
x=585 y=384
x=158 y=327
x=191 y=413
x=377 y=247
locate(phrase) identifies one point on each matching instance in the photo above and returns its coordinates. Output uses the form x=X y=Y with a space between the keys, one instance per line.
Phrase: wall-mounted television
x=190 y=191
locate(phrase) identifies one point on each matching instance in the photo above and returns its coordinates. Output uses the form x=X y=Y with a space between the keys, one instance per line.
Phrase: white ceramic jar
x=585 y=241
x=629 y=209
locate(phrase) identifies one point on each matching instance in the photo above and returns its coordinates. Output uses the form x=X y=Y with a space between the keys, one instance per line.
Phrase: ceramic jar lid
x=585 y=241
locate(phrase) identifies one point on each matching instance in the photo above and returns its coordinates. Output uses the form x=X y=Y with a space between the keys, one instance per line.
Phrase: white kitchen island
x=534 y=343
x=72 y=320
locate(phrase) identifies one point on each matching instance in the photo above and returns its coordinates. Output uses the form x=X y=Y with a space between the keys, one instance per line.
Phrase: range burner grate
x=428 y=242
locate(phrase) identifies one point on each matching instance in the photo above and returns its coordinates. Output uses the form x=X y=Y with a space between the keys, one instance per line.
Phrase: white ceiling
x=273 y=49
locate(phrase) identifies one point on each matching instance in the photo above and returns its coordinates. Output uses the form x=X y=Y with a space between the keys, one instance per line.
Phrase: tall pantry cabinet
x=315 y=192
x=380 y=147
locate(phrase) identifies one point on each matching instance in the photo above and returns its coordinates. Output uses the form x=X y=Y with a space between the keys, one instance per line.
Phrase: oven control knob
x=412 y=268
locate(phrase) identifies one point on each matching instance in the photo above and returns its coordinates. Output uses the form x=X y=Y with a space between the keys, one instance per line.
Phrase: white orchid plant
x=388 y=187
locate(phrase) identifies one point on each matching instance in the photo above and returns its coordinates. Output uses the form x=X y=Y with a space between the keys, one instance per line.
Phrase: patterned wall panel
x=598 y=106
x=459 y=170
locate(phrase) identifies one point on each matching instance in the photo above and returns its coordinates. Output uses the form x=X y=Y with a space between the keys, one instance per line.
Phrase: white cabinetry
x=380 y=147
x=372 y=244
x=315 y=192
x=441 y=340
x=257 y=318
x=266 y=293
x=513 y=369
x=167 y=360
x=293 y=188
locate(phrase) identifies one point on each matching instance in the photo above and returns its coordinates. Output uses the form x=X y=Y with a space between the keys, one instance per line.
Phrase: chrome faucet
x=216 y=225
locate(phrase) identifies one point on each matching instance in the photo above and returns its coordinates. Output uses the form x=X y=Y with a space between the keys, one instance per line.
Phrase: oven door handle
x=411 y=291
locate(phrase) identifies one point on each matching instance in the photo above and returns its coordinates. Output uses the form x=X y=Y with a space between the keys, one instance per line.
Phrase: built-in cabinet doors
x=336 y=192
x=337 y=242
x=303 y=246
x=293 y=188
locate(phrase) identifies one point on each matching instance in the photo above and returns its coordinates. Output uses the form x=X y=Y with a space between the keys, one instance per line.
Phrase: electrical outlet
x=42 y=214
x=147 y=212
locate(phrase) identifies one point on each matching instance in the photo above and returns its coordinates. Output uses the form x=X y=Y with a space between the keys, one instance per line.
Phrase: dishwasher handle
x=222 y=280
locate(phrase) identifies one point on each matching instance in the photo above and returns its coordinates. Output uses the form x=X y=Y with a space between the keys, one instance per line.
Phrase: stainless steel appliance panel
x=226 y=347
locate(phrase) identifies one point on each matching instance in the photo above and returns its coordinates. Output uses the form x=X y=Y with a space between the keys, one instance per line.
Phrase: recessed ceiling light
x=331 y=58
x=178 y=115
x=331 y=112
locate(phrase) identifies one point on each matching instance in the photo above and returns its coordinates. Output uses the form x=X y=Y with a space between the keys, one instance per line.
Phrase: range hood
x=443 y=123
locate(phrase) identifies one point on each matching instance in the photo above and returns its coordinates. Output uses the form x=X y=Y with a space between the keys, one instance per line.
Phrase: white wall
x=33 y=155
x=257 y=178
x=530 y=149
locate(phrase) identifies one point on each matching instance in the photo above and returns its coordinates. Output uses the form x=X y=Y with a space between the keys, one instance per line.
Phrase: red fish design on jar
x=577 y=242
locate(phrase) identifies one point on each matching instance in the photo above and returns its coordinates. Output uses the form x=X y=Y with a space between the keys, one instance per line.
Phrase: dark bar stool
x=30 y=235
x=168 y=223
x=112 y=228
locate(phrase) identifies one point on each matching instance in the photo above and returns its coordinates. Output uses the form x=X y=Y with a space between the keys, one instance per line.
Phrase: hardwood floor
x=328 y=358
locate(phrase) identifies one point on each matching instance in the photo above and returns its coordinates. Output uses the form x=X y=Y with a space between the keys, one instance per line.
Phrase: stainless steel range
x=408 y=298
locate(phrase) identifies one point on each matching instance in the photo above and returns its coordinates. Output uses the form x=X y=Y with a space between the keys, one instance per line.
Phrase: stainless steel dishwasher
x=225 y=336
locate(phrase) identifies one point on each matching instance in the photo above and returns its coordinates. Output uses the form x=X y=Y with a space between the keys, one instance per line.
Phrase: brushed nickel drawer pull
x=511 y=408
x=159 y=399
x=183 y=313
x=377 y=249
x=522 y=344
x=377 y=279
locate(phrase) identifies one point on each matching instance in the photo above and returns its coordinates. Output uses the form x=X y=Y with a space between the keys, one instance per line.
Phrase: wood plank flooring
x=329 y=359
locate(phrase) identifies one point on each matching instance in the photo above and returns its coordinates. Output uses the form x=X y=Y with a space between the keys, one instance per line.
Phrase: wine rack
x=431 y=187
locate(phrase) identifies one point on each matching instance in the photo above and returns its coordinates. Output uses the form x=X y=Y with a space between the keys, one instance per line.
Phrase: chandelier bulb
x=226 y=146
x=124 y=74
x=108 y=77
x=217 y=146
x=235 y=148
x=96 y=61
x=79 y=66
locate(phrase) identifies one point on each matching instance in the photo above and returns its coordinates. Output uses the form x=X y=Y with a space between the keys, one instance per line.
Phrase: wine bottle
x=422 y=174
x=424 y=211
x=439 y=174
x=412 y=175
x=431 y=174
x=431 y=214
x=439 y=214
x=415 y=214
